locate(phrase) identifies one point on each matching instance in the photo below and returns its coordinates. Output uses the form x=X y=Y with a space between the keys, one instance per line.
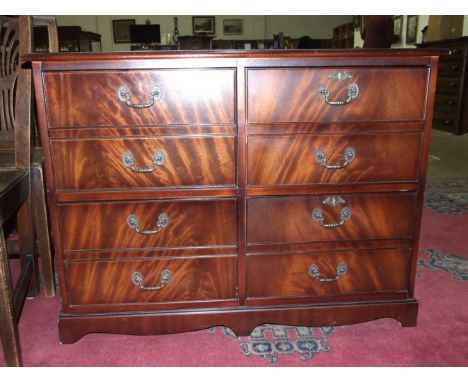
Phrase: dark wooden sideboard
x=451 y=100
x=195 y=189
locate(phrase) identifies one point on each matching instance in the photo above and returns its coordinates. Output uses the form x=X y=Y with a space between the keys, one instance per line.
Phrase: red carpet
x=440 y=339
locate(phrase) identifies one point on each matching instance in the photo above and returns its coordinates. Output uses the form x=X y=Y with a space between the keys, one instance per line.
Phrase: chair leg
x=8 y=326
x=42 y=229
x=26 y=245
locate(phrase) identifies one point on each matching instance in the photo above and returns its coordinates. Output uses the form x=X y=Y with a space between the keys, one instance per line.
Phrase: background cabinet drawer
x=294 y=219
x=184 y=97
x=302 y=159
x=179 y=223
x=452 y=68
x=327 y=273
x=172 y=161
x=178 y=280
x=292 y=95
x=448 y=85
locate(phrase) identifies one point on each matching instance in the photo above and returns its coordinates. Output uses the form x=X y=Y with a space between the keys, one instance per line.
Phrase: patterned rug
x=447 y=196
x=434 y=260
x=272 y=341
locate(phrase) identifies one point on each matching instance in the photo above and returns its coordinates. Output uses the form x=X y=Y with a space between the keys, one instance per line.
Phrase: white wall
x=255 y=27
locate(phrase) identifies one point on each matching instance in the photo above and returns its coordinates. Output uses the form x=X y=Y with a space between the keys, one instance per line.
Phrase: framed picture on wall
x=203 y=25
x=397 y=24
x=411 y=29
x=232 y=26
x=121 y=29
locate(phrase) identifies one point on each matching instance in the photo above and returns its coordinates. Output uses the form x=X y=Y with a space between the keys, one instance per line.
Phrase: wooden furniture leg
x=41 y=228
x=8 y=325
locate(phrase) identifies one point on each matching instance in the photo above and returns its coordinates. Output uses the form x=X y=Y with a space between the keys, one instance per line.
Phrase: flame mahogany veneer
x=195 y=189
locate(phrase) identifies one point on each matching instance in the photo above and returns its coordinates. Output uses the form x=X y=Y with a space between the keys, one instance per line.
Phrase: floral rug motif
x=434 y=259
x=447 y=196
x=272 y=341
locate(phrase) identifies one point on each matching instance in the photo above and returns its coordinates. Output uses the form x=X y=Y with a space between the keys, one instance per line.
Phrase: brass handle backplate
x=164 y=279
x=162 y=222
x=353 y=92
x=317 y=215
x=349 y=155
x=125 y=96
x=314 y=271
x=158 y=159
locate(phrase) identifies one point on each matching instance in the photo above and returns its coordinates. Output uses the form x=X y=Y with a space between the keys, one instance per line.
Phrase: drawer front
x=151 y=281
x=310 y=159
x=445 y=123
x=292 y=95
x=296 y=219
x=165 y=162
x=327 y=273
x=182 y=97
x=446 y=102
x=146 y=225
x=448 y=85
x=451 y=68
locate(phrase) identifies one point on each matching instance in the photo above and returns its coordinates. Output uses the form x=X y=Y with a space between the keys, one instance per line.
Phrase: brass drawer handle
x=321 y=157
x=455 y=67
x=318 y=217
x=162 y=222
x=158 y=159
x=154 y=95
x=314 y=271
x=164 y=278
x=353 y=92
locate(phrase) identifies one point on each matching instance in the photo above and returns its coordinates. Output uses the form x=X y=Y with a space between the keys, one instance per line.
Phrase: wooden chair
x=7 y=157
x=41 y=223
x=16 y=191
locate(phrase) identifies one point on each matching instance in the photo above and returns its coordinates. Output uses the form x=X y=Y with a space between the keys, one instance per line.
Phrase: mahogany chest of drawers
x=195 y=189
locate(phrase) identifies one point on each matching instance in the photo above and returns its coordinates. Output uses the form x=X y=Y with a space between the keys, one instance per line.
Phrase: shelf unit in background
x=343 y=36
x=451 y=98
x=71 y=39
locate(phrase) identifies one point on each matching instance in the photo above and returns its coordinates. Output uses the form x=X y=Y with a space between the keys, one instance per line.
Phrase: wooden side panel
x=191 y=223
x=187 y=162
x=111 y=282
x=186 y=97
x=288 y=275
x=290 y=219
x=292 y=160
x=291 y=95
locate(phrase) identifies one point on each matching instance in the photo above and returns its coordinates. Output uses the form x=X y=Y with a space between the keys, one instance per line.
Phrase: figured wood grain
x=264 y=93
x=373 y=216
x=187 y=97
x=290 y=160
x=192 y=223
x=98 y=164
x=291 y=95
x=287 y=275
x=110 y=282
